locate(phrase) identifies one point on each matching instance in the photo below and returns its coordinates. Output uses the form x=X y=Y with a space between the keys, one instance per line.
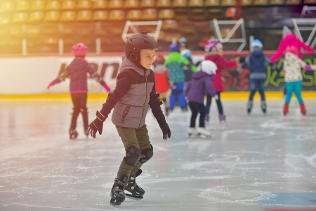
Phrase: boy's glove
x=97 y=124
x=165 y=130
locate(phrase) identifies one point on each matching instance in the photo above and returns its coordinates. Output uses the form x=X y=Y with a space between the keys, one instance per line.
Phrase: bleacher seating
x=84 y=15
x=293 y=2
x=4 y=19
x=99 y=4
x=179 y=3
x=38 y=5
x=68 y=16
x=68 y=4
x=84 y=4
x=115 y=4
x=22 y=5
x=6 y=6
x=196 y=3
x=116 y=15
x=52 y=16
x=261 y=2
x=310 y=1
x=147 y=3
x=130 y=4
x=53 y=5
x=134 y=15
x=100 y=15
x=19 y=17
x=36 y=16
x=277 y=2
x=149 y=14
x=212 y=3
x=163 y=3
x=166 y=14
x=228 y=3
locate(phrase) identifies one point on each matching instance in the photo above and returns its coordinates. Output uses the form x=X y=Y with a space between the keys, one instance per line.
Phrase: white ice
x=242 y=167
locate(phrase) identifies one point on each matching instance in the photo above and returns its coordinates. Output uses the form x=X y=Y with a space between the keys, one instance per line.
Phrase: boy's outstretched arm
x=154 y=104
x=122 y=87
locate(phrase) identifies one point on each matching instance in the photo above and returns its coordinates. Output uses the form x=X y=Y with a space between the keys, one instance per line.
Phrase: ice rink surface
x=257 y=162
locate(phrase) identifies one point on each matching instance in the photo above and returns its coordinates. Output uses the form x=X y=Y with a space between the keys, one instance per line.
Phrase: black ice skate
x=249 y=107
x=73 y=134
x=264 y=107
x=132 y=189
x=117 y=191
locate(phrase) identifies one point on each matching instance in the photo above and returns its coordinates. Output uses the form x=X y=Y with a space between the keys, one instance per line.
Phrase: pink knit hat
x=79 y=49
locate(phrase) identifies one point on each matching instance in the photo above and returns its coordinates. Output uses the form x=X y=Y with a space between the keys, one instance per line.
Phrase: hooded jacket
x=132 y=97
x=176 y=65
x=200 y=85
x=257 y=62
x=290 y=40
x=221 y=63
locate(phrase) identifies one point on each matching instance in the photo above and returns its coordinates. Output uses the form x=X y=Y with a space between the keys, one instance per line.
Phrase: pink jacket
x=290 y=40
x=221 y=63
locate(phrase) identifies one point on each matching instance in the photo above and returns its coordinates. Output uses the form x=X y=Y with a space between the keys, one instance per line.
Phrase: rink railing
x=28 y=76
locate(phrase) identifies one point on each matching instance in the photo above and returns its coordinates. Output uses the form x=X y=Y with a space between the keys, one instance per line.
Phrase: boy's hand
x=96 y=125
x=165 y=131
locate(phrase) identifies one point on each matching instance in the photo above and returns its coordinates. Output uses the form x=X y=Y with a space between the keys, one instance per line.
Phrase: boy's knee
x=132 y=155
x=147 y=154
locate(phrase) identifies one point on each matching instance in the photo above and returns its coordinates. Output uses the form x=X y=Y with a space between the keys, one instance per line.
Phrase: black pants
x=79 y=101
x=218 y=103
x=197 y=108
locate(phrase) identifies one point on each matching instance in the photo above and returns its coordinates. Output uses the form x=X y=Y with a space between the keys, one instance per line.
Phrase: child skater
x=162 y=80
x=200 y=84
x=134 y=94
x=214 y=53
x=290 y=47
x=176 y=65
x=257 y=62
x=293 y=77
x=77 y=71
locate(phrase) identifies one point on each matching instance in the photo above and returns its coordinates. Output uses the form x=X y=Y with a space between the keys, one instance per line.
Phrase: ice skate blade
x=131 y=196
x=114 y=203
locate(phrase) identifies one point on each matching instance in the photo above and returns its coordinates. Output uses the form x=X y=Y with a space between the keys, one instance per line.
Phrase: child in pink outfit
x=77 y=72
x=214 y=53
x=290 y=48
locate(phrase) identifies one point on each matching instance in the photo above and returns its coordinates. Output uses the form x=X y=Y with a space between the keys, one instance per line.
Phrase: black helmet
x=137 y=42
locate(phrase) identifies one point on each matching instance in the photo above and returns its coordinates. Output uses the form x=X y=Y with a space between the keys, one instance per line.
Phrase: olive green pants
x=138 y=138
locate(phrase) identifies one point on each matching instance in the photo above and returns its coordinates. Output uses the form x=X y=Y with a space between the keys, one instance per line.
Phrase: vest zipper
x=140 y=121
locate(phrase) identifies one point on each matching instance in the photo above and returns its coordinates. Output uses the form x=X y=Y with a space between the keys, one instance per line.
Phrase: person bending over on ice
x=77 y=71
x=134 y=94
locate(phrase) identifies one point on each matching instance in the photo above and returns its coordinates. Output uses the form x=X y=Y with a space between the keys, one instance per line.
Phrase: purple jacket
x=200 y=84
x=78 y=70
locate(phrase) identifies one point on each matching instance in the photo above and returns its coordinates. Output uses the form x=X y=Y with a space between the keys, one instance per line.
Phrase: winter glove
x=97 y=124
x=165 y=131
x=52 y=83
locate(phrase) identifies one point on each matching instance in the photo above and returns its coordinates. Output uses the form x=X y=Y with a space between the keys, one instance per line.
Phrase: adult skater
x=134 y=94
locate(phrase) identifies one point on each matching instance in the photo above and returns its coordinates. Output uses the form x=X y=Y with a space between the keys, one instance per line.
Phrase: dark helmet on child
x=135 y=43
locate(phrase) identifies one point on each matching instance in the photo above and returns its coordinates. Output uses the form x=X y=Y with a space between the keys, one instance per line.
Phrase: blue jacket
x=257 y=62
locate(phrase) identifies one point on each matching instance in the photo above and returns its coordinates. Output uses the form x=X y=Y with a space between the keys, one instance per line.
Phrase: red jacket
x=221 y=63
x=162 y=84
